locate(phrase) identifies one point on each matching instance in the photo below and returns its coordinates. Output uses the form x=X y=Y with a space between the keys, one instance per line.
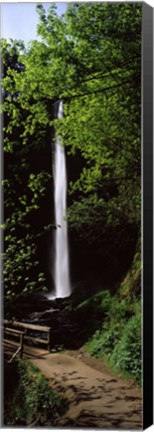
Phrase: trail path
x=97 y=398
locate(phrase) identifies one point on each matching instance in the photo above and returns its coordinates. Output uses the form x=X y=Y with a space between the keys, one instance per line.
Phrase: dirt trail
x=97 y=399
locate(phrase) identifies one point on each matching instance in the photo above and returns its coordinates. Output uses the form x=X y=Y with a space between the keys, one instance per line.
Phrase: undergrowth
x=119 y=337
x=28 y=398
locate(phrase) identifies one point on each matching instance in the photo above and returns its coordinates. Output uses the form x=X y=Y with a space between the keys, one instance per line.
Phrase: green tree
x=24 y=184
x=102 y=116
x=90 y=58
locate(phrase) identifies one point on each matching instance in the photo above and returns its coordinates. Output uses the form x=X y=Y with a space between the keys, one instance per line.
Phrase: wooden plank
x=28 y=326
x=15 y=355
x=13 y=331
x=21 y=344
x=28 y=352
x=34 y=339
x=49 y=340
x=10 y=342
x=18 y=333
x=23 y=335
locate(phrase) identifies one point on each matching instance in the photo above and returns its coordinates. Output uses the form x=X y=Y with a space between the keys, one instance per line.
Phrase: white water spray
x=61 y=271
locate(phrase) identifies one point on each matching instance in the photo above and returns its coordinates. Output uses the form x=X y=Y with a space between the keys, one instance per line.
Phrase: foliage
x=126 y=356
x=91 y=59
x=98 y=77
x=20 y=248
x=131 y=284
x=33 y=401
x=102 y=115
x=119 y=338
x=23 y=184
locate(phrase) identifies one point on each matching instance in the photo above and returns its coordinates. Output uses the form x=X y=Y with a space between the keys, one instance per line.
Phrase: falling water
x=61 y=271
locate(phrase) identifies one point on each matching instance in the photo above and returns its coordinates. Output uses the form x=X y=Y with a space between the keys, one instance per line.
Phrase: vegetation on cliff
x=119 y=338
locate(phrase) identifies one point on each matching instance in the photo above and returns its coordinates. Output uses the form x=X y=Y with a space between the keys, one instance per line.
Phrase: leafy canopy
x=91 y=59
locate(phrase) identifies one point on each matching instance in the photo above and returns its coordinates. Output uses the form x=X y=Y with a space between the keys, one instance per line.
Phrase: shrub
x=119 y=339
x=32 y=401
x=126 y=356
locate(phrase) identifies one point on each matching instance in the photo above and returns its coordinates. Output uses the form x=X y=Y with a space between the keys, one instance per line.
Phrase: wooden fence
x=25 y=332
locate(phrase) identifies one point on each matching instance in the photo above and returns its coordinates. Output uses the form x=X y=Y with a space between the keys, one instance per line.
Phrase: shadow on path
x=96 y=398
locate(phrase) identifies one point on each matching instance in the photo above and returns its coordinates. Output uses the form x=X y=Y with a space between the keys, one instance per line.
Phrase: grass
x=29 y=401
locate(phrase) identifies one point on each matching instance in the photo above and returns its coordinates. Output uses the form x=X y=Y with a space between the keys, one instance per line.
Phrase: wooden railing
x=15 y=333
x=22 y=329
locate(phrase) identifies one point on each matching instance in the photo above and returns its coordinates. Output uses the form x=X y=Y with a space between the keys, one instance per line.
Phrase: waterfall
x=61 y=270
